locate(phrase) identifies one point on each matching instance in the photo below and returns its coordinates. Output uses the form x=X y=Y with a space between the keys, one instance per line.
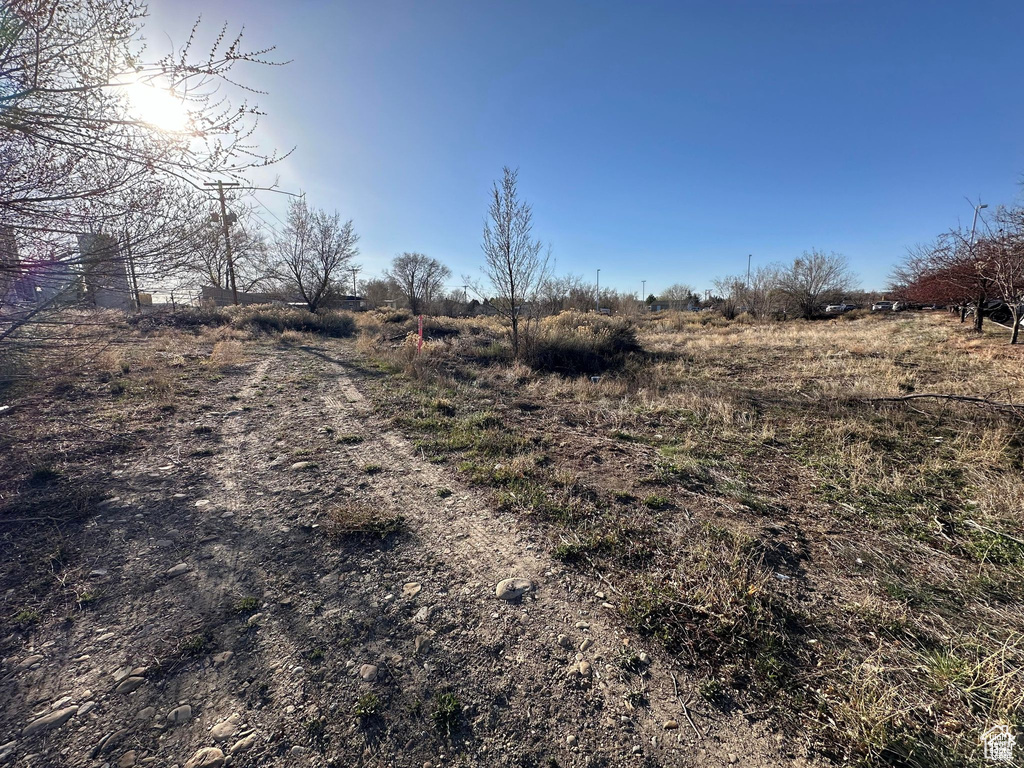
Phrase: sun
x=158 y=107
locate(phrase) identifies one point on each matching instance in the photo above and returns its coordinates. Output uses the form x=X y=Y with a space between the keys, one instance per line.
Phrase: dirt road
x=226 y=627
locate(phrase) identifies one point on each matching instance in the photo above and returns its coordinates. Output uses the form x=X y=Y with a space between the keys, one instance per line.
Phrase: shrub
x=578 y=343
x=269 y=318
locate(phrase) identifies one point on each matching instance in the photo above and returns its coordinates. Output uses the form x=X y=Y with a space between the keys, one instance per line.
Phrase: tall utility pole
x=226 y=222
x=749 y=257
x=643 y=290
x=354 y=271
x=597 y=299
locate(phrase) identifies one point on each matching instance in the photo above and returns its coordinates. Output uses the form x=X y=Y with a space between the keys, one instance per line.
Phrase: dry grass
x=809 y=548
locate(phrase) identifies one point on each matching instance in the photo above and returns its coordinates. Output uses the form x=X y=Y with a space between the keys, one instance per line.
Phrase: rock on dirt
x=225 y=729
x=177 y=570
x=130 y=684
x=180 y=714
x=50 y=721
x=207 y=757
x=512 y=589
x=368 y=672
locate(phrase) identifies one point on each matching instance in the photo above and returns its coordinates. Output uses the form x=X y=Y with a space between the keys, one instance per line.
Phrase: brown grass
x=809 y=549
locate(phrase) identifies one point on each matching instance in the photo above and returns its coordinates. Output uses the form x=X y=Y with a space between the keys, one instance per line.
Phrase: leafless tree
x=377 y=291
x=1001 y=257
x=419 y=277
x=78 y=156
x=813 y=279
x=677 y=292
x=313 y=253
x=514 y=264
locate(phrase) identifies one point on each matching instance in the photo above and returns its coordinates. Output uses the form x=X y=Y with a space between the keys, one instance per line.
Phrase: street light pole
x=643 y=290
x=978 y=318
x=974 y=225
x=597 y=299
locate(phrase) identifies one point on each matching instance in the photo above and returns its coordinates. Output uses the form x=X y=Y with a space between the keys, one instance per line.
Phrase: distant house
x=214 y=296
x=678 y=305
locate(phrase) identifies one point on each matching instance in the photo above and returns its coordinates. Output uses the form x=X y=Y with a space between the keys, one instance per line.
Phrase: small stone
x=6 y=750
x=585 y=669
x=300 y=466
x=207 y=757
x=565 y=641
x=50 y=721
x=222 y=658
x=146 y=714
x=422 y=615
x=636 y=750
x=571 y=740
x=86 y=708
x=128 y=759
x=671 y=725
x=180 y=714
x=368 y=672
x=422 y=644
x=585 y=645
x=296 y=750
x=512 y=589
x=732 y=759
x=177 y=570
x=130 y=684
x=225 y=729
x=29 y=661
x=411 y=588
x=243 y=744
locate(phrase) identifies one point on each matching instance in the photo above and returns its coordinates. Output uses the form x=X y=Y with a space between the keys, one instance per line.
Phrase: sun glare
x=157 y=107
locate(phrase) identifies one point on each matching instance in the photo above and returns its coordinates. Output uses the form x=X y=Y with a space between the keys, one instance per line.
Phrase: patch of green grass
x=349 y=439
x=623 y=497
x=202 y=429
x=194 y=645
x=26 y=618
x=582 y=550
x=445 y=713
x=247 y=605
x=444 y=493
x=368 y=705
x=373 y=469
x=656 y=502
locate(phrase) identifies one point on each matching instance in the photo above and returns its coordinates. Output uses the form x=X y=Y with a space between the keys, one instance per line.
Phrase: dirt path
x=230 y=622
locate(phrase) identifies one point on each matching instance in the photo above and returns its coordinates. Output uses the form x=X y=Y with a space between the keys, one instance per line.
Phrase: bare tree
x=419 y=277
x=813 y=279
x=513 y=263
x=378 y=291
x=1001 y=257
x=677 y=292
x=313 y=253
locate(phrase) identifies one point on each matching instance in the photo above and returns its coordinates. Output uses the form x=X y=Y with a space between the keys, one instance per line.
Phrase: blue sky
x=656 y=141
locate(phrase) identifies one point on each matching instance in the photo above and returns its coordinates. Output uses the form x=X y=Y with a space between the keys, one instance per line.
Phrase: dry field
x=846 y=566
x=227 y=533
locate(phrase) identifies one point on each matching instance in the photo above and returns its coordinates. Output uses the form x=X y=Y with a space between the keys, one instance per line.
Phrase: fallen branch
x=1015 y=408
x=980 y=527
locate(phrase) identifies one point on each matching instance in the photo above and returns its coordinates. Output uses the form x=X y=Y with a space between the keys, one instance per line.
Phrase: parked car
x=838 y=309
x=883 y=306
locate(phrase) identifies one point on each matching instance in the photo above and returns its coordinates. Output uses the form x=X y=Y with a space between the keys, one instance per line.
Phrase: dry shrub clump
x=573 y=343
x=226 y=354
x=269 y=318
x=355 y=520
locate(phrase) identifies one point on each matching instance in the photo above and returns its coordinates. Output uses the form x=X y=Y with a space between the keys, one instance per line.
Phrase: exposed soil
x=271 y=624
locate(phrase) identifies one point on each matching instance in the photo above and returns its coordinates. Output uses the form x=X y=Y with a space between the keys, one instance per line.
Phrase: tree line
x=981 y=272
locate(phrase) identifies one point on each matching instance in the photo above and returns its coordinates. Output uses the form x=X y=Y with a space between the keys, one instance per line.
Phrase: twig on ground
x=675 y=687
x=995 y=532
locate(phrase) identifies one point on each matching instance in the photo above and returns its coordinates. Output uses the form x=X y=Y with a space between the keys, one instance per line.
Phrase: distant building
x=104 y=272
x=214 y=296
x=678 y=305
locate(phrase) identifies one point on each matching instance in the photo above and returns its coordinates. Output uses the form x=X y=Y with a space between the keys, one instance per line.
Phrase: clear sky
x=656 y=141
